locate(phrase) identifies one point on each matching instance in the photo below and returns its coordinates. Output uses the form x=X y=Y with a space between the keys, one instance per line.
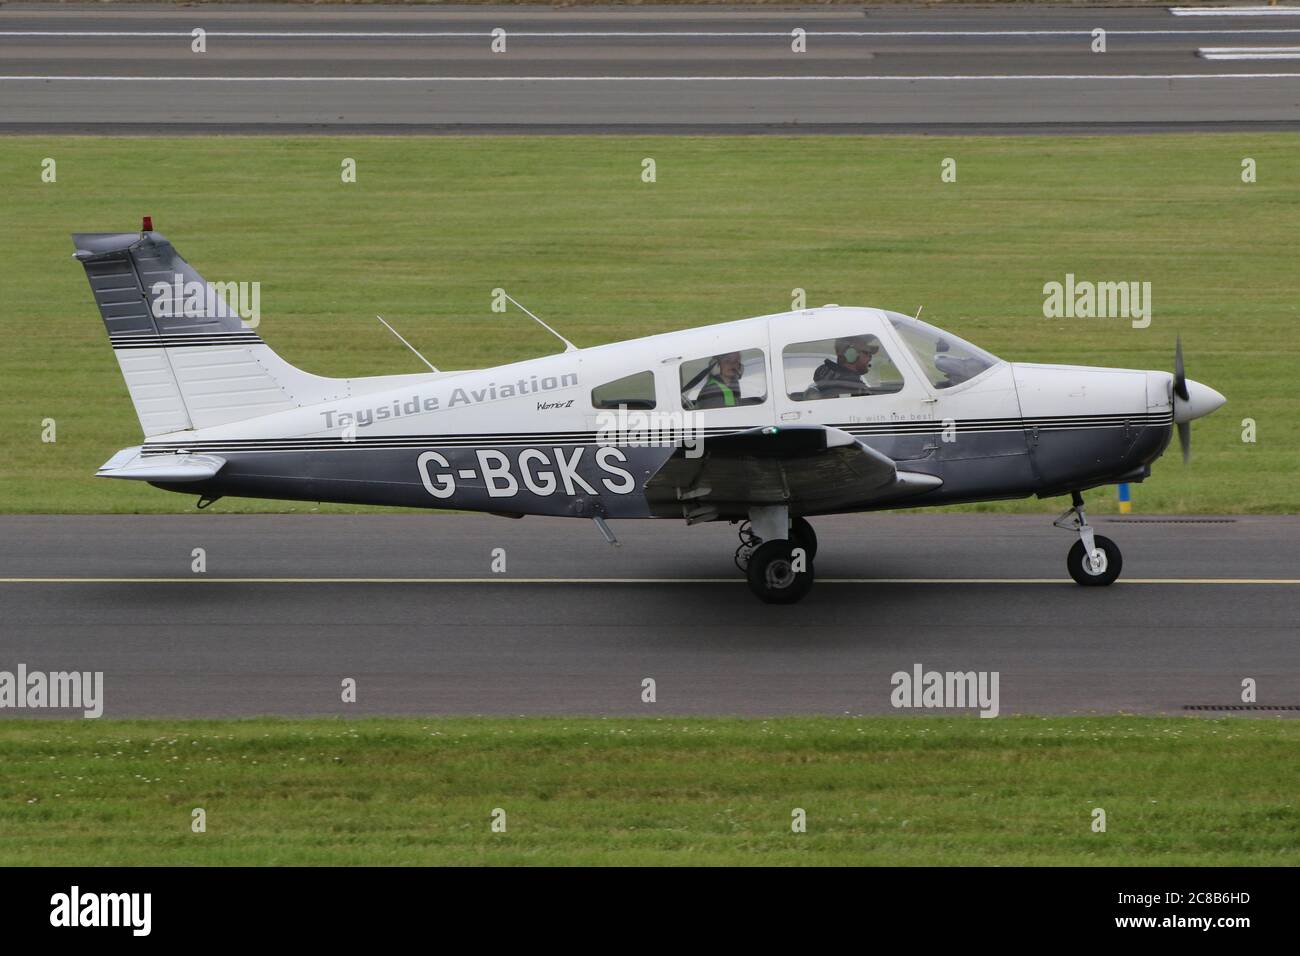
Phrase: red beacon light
x=147 y=224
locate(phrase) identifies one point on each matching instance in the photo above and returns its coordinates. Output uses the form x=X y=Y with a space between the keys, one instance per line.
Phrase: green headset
x=851 y=354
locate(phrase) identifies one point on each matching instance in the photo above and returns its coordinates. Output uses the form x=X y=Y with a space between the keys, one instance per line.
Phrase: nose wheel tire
x=1108 y=563
x=776 y=575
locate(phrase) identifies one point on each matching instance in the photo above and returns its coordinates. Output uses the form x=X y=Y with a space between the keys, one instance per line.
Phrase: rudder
x=189 y=364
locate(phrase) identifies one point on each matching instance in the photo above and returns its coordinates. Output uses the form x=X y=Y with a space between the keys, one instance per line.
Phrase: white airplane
x=765 y=422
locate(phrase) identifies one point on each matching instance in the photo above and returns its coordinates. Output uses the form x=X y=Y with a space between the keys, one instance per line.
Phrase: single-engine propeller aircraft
x=765 y=422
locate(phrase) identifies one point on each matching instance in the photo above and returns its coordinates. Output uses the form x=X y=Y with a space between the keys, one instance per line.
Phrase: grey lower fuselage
x=562 y=476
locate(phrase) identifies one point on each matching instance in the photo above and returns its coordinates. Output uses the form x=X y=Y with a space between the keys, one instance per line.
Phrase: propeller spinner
x=1191 y=400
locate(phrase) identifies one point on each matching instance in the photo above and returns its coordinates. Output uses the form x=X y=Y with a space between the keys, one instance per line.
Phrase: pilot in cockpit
x=844 y=375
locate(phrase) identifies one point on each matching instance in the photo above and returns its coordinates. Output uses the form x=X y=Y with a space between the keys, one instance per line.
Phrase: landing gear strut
x=776 y=554
x=1095 y=560
x=801 y=532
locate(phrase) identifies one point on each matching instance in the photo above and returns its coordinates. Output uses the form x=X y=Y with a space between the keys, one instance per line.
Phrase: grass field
x=642 y=791
x=731 y=226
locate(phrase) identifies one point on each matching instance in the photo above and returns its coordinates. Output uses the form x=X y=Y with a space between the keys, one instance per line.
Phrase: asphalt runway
x=409 y=606
x=666 y=69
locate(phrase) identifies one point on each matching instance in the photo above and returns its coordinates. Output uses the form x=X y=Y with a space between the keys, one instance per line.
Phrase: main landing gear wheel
x=1104 y=567
x=776 y=575
x=803 y=535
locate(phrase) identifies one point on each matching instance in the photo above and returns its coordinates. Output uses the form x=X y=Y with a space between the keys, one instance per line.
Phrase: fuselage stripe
x=651 y=437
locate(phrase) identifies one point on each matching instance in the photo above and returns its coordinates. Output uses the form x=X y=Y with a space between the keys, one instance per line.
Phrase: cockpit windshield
x=946 y=359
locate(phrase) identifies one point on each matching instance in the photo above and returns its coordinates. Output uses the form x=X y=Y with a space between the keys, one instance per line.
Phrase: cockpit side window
x=725 y=380
x=631 y=391
x=945 y=359
x=849 y=366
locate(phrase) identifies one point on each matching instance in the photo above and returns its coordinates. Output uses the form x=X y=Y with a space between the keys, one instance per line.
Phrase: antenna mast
x=407 y=344
x=568 y=346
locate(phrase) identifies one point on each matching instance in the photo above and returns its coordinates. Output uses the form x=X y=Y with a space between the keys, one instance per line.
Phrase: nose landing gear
x=1095 y=560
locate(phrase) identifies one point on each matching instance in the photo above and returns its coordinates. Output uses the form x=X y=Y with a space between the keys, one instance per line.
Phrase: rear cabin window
x=725 y=380
x=631 y=391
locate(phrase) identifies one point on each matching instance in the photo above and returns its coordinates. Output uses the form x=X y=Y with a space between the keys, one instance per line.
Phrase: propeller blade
x=1180 y=376
x=1185 y=440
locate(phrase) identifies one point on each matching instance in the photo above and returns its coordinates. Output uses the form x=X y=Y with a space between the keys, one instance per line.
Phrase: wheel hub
x=780 y=574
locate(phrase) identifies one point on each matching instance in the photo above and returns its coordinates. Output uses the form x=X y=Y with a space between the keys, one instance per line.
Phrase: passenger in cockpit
x=722 y=388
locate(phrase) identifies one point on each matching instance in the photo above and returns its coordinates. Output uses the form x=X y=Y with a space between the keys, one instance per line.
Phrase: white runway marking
x=1235 y=11
x=649 y=79
x=621 y=34
x=1249 y=53
x=203 y=579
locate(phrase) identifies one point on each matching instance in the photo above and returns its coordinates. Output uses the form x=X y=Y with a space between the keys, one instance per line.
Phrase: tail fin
x=188 y=359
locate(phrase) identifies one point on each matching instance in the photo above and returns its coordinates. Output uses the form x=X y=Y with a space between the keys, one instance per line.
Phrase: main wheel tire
x=803 y=536
x=1112 y=562
x=772 y=575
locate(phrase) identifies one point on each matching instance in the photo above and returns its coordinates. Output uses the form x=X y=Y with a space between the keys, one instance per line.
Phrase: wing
x=808 y=467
